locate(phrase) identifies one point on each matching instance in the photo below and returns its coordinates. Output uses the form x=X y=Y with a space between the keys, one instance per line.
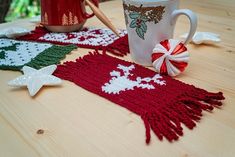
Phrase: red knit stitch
x=118 y=47
x=162 y=107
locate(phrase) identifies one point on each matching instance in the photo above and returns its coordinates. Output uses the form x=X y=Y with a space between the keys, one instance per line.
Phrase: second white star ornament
x=35 y=79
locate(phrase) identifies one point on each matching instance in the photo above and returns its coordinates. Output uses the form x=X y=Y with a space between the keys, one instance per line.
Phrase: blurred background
x=14 y=9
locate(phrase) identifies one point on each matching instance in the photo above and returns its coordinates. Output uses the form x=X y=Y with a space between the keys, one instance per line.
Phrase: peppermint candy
x=170 y=57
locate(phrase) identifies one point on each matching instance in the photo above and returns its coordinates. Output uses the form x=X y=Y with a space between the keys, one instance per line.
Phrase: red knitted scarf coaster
x=163 y=103
x=91 y=38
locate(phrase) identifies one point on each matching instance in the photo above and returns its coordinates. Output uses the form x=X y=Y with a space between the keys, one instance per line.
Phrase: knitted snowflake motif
x=88 y=36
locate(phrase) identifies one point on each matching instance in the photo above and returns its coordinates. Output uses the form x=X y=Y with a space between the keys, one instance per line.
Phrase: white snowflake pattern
x=91 y=36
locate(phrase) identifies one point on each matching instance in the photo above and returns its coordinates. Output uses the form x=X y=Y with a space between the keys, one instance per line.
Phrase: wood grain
x=75 y=122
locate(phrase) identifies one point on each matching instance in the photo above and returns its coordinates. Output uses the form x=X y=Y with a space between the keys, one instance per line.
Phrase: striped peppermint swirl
x=170 y=57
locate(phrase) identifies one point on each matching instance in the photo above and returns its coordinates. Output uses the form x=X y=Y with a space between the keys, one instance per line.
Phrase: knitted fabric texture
x=164 y=104
x=91 y=38
x=16 y=54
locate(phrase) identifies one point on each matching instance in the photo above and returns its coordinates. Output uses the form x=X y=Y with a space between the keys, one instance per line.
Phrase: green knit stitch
x=7 y=48
x=2 y=55
x=50 y=56
x=10 y=48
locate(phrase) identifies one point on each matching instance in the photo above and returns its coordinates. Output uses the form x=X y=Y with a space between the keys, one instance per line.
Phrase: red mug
x=64 y=15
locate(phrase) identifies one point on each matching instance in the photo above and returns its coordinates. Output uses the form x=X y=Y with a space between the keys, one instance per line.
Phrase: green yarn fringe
x=52 y=55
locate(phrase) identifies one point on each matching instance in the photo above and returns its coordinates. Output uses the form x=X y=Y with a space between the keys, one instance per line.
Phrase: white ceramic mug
x=151 y=21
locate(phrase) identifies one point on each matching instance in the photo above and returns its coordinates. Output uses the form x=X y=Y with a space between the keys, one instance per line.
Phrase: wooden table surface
x=80 y=124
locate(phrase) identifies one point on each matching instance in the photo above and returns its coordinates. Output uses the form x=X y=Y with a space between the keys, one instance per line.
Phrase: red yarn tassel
x=162 y=107
x=147 y=127
x=34 y=35
x=120 y=47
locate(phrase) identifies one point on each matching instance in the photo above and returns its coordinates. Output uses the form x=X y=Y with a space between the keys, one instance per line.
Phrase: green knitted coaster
x=16 y=54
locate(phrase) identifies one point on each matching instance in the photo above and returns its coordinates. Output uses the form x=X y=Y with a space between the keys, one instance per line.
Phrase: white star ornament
x=35 y=79
x=204 y=38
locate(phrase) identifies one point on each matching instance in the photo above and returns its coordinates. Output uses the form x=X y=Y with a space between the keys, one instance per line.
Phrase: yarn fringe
x=119 y=47
x=186 y=110
x=52 y=55
x=161 y=112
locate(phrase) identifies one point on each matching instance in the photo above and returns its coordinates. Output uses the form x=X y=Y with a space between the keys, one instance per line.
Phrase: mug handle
x=192 y=18
x=96 y=2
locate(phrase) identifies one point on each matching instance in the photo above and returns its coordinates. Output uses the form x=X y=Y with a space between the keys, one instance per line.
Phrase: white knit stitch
x=104 y=38
x=120 y=83
x=25 y=51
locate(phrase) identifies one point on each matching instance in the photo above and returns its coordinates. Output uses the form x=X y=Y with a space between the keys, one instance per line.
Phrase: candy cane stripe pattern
x=170 y=57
